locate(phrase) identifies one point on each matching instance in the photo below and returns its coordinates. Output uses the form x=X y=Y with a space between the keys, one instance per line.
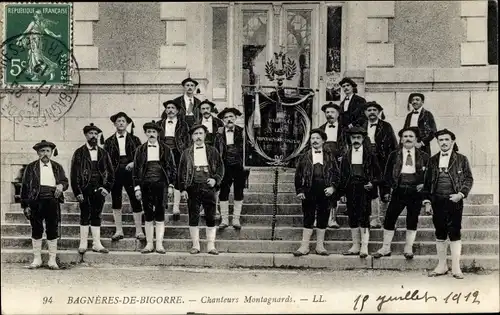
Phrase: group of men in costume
x=354 y=157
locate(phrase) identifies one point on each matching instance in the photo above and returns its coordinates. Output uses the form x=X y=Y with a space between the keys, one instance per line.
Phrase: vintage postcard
x=249 y=157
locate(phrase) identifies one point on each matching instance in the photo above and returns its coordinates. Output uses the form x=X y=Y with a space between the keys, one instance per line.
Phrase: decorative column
x=86 y=54
x=474 y=52
x=380 y=53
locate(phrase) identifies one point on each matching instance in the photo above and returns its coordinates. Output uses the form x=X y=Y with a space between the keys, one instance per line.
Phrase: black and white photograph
x=249 y=157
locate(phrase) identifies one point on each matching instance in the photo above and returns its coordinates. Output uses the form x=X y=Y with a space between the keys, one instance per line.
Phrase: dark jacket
x=111 y=146
x=186 y=167
x=394 y=166
x=304 y=172
x=81 y=166
x=221 y=146
x=182 y=138
x=355 y=114
x=216 y=124
x=341 y=138
x=167 y=163
x=426 y=126
x=182 y=112
x=371 y=168
x=459 y=170
x=31 y=182
x=385 y=140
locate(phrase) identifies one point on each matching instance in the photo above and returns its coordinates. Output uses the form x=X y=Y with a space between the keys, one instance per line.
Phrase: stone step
x=257 y=233
x=253 y=246
x=290 y=197
x=256 y=208
x=254 y=260
x=425 y=221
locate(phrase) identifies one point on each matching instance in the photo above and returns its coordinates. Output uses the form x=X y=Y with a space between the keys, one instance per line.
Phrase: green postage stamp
x=37 y=44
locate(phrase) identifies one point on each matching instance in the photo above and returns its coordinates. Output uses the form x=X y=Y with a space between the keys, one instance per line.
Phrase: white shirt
x=208 y=123
x=170 y=127
x=230 y=137
x=47 y=174
x=414 y=117
x=357 y=155
x=93 y=153
x=188 y=100
x=153 y=151
x=332 y=132
x=317 y=157
x=371 y=131
x=407 y=169
x=200 y=156
x=121 y=143
x=444 y=160
x=347 y=102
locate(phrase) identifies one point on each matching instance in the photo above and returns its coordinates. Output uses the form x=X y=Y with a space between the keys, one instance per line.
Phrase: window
x=219 y=52
x=493 y=32
x=333 y=60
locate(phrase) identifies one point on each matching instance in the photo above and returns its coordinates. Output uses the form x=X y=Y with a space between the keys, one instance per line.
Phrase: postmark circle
x=37 y=103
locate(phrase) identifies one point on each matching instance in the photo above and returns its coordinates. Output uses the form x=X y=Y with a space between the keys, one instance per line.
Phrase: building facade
x=132 y=57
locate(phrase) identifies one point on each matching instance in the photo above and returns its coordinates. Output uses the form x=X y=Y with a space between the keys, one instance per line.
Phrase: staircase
x=253 y=246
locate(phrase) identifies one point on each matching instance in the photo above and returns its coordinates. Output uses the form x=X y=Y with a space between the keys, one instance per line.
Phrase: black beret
x=44 y=144
x=356 y=130
x=152 y=125
x=196 y=127
x=445 y=132
x=415 y=130
x=177 y=105
x=374 y=104
x=348 y=80
x=320 y=132
x=186 y=80
x=206 y=101
x=120 y=114
x=330 y=105
x=91 y=127
x=416 y=94
x=233 y=110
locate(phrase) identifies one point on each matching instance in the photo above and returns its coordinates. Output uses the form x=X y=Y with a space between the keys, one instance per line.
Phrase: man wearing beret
x=333 y=145
x=229 y=142
x=359 y=174
x=188 y=103
x=448 y=180
x=154 y=169
x=200 y=174
x=382 y=141
x=43 y=185
x=208 y=120
x=351 y=108
x=121 y=148
x=423 y=119
x=92 y=177
x=404 y=173
x=316 y=179
x=175 y=134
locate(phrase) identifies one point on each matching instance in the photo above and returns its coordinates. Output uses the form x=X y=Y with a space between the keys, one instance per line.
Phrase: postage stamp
x=35 y=57
x=40 y=77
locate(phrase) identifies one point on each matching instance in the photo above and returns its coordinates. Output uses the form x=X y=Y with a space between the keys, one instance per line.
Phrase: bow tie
x=445 y=154
x=122 y=136
x=199 y=147
x=415 y=112
x=229 y=130
x=347 y=98
x=170 y=122
x=151 y=146
x=93 y=149
x=317 y=151
x=373 y=125
x=45 y=165
x=331 y=126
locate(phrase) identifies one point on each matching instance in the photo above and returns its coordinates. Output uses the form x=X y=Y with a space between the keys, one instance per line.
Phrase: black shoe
x=408 y=256
x=379 y=255
x=176 y=216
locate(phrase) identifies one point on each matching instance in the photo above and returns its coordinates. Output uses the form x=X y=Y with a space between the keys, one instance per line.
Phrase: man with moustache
x=200 y=174
x=333 y=145
x=92 y=177
x=316 y=179
x=121 y=148
x=423 y=119
x=208 y=120
x=175 y=134
x=359 y=174
x=404 y=173
x=44 y=182
x=154 y=169
x=229 y=142
x=188 y=103
x=382 y=141
x=448 y=180
x=351 y=108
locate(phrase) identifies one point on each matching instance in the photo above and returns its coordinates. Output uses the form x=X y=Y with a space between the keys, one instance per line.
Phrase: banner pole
x=275 y=202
